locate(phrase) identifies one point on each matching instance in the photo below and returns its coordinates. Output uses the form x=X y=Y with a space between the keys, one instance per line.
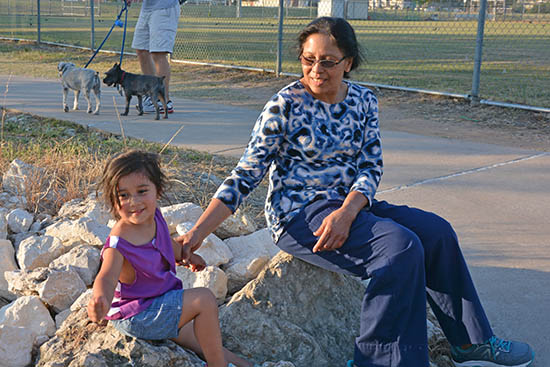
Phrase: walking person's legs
x=154 y=40
x=393 y=316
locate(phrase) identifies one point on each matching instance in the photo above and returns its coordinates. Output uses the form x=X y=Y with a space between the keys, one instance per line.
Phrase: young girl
x=136 y=287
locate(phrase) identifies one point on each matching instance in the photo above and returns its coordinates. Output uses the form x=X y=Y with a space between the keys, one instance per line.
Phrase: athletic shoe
x=495 y=352
x=148 y=106
x=169 y=106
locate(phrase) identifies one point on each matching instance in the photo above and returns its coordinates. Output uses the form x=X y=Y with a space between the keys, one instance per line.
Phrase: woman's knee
x=433 y=226
x=402 y=260
x=397 y=238
x=404 y=248
x=439 y=238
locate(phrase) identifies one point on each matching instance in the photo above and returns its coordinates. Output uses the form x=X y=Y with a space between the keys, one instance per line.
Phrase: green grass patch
x=402 y=48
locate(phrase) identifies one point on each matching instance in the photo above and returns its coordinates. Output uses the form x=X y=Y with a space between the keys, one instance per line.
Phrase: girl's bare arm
x=105 y=284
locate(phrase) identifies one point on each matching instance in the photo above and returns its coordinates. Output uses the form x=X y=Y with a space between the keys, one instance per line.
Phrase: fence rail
x=428 y=48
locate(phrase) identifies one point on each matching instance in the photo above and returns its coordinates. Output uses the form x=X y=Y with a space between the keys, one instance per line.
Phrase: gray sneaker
x=148 y=106
x=495 y=352
x=169 y=106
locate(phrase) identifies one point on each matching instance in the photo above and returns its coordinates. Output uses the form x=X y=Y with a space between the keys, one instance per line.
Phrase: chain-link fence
x=420 y=45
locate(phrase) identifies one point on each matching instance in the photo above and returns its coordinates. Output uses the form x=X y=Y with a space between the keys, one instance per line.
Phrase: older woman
x=318 y=137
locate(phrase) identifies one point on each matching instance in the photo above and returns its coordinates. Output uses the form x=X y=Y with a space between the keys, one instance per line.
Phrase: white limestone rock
x=17 y=238
x=7 y=263
x=19 y=220
x=180 y=213
x=88 y=230
x=71 y=209
x=39 y=251
x=61 y=289
x=81 y=302
x=251 y=254
x=92 y=207
x=238 y=224
x=25 y=282
x=62 y=230
x=299 y=312
x=213 y=250
x=84 y=259
x=61 y=317
x=29 y=312
x=3 y=224
x=15 y=346
x=81 y=344
x=212 y=278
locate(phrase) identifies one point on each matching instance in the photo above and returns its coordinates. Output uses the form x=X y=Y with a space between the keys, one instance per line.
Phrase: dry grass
x=70 y=158
x=63 y=177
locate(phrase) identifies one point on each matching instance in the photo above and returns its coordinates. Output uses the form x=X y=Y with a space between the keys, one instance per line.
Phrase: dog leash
x=118 y=23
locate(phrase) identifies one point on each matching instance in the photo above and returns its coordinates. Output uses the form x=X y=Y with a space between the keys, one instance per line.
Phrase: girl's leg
x=393 y=315
x=451 y=291
x=188 y=340
x=200 y=306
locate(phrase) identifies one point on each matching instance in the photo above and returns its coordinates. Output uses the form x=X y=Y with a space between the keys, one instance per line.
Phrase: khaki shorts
x=156 y=30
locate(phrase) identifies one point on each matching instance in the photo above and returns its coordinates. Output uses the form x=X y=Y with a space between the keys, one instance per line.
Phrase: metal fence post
x=278 y=70
x=38 y=20
x=238 y=8
x=92 y=47
x=474 y=95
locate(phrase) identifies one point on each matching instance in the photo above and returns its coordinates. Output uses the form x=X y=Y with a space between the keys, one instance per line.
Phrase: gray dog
x=138 y=85
x=79 y=79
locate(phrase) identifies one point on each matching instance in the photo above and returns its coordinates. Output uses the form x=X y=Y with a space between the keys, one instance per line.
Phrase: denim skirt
x=159 y=321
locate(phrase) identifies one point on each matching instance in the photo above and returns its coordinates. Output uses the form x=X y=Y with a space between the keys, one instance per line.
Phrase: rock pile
x=273 y=307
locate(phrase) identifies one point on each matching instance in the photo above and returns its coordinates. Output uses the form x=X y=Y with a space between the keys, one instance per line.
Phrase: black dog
x=138 y=85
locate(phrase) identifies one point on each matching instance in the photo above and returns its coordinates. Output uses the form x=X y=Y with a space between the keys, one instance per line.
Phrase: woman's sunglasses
x=327 y=64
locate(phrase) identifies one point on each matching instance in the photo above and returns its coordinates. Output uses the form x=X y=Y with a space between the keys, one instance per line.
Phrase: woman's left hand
x=334 y=230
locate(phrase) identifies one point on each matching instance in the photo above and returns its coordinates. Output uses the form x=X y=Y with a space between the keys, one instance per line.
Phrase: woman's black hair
x=341 y=31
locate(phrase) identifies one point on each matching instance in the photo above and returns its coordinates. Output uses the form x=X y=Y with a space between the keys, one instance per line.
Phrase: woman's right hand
x=212 y=217
x=191 y=242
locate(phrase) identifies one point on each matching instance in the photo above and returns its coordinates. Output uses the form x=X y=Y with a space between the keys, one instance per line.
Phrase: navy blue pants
x=411 y=256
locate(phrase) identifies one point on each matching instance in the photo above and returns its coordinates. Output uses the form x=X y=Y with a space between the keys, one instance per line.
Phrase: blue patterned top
x=312 y=149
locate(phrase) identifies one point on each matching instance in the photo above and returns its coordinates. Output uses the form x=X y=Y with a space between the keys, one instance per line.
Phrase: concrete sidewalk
x=496 y=197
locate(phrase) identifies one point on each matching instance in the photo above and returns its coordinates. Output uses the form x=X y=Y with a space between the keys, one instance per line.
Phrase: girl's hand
x=185 y=251
x=334 y=231
x=196 y=263
x=98 y=308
